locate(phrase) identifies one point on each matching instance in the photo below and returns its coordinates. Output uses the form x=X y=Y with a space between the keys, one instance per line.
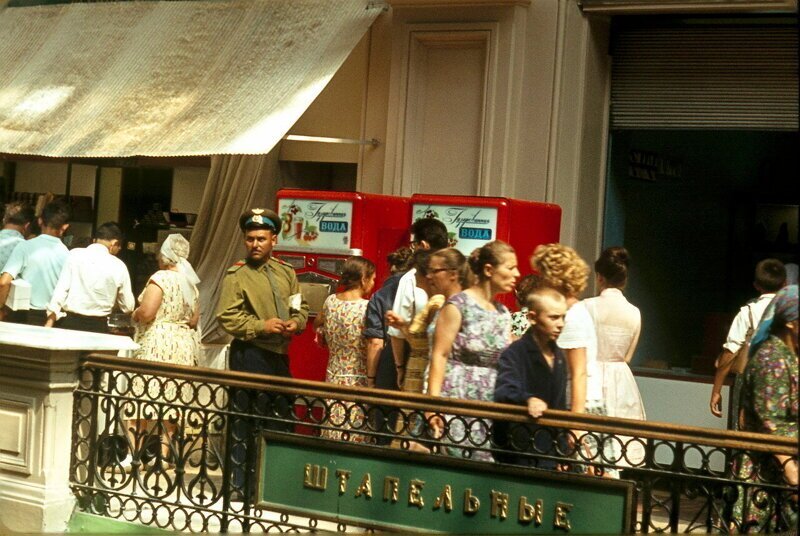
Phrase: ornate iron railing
x=174 y=447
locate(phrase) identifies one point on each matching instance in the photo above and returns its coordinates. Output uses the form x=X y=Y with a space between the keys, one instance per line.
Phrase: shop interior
x=697 y=210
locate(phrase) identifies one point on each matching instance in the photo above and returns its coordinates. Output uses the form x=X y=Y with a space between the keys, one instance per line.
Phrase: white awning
x=113 y=79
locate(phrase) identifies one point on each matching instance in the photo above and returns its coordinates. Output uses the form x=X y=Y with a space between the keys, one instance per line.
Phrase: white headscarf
x=174 y=251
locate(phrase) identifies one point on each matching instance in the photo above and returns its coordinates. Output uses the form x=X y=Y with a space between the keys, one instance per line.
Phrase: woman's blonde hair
x=561 y=268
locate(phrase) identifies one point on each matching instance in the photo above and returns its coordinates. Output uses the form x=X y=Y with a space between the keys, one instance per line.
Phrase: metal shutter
x=709 y=77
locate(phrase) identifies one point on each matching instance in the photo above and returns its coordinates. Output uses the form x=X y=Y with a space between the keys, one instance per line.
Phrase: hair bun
x=474 y=261
x=619 y=255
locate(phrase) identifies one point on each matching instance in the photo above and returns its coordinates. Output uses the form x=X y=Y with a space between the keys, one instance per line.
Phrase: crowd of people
x=451 y=337
x=78 y=289
x=435 y=326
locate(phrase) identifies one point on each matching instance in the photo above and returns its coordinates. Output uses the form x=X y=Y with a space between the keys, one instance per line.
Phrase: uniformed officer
x=254 y=305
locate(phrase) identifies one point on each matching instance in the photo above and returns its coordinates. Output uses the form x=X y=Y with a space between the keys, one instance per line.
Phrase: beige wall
x=491 y=98
x=187 y=188
x=337 y=113
x=109 y=194
x=41 y=177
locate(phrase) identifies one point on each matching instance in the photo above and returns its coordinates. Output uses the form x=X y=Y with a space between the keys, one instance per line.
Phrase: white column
x=37 y=380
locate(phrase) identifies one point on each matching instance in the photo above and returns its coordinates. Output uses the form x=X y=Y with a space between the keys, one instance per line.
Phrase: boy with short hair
x=532 y=372
x=770 y=277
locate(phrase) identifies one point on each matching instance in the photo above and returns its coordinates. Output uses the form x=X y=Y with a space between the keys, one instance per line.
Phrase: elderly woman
x=769 y=405
x=168 y=310
x=166 y=322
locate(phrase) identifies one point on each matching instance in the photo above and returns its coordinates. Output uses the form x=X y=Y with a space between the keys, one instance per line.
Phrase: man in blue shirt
x=16 y=221
x=532 y=372
x=381 y=371
x=39 y=261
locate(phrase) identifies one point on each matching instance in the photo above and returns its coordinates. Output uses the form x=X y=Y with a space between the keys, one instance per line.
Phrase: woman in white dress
x=618 y=324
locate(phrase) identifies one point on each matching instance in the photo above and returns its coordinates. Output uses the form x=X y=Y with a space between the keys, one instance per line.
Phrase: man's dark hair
x=770 y=275
x=55 y=214
x=109 y=231
x=18 y=213
x=431 y=231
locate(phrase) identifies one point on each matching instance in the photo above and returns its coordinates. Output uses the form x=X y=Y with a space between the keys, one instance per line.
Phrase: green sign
x=398 y=490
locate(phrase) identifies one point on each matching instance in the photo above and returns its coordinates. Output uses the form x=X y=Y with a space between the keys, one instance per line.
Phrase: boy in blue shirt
x=532 y=372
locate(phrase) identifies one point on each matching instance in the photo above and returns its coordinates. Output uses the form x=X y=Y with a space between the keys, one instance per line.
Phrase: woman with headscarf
x=166 y=322
x=769 y=405
x=168 y=310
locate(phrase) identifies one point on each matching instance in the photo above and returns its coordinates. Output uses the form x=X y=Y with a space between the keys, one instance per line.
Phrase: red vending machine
x=320 y=229
x=473 y=221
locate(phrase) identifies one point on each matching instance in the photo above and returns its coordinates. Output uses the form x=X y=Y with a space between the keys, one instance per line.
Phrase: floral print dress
x=347 y=364
x=769 y=403
x=471 y=370
x=168 y=338
x=519 y=323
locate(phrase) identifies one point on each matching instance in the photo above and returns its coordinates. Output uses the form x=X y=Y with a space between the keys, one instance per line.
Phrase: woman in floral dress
x=166 y=321
x=471 y=332
x=769 y=403
x=341 y=324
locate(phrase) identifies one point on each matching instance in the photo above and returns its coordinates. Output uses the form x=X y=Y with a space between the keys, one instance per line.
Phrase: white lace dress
x=618 y=324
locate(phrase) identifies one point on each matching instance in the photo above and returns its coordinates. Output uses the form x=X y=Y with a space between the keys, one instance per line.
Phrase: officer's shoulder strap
x=236 y=266
x=281 y=261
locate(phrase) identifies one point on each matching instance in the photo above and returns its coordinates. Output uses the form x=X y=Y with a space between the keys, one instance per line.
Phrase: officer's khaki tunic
x=246 y=301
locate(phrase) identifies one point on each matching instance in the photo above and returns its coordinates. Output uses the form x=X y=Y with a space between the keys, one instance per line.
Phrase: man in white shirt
x=92 y=282
x=770 y=277
x=16 y=221
x=430 y=234
x=38 y=261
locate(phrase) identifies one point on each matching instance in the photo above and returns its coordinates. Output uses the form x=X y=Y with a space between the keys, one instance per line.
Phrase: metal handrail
x=484 y=410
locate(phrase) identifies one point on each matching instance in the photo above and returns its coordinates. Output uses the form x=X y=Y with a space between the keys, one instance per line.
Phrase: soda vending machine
x=319 y=231
x=472 y=221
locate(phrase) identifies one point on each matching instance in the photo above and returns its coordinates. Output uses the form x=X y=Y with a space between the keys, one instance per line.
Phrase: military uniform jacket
x=247 y=300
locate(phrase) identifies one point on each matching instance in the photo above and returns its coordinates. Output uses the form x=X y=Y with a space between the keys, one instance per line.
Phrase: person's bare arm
x=398 y=322
x=195 y=318
x=5 y=288
x=151 y=301
x=576 y=361
x=447 y=327
x=724 y=364
x=319 y=320
x=399 y=354
x=789 y=465
x=374 y=348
